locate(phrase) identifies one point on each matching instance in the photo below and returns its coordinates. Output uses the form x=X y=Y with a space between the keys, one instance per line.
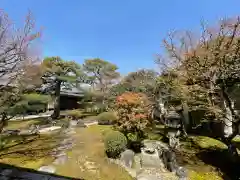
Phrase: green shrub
x=115 y=143
x=96 y=108
x=106 y=118
x=74 y=114
x=134 y=143
x=3 y=141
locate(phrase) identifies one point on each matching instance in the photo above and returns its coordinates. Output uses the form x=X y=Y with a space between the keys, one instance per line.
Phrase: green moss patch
x=88 y=160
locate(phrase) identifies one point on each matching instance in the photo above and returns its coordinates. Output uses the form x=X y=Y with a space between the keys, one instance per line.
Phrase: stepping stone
x=49 y=129
x=89 y=165
x=11 y=132
x=67 y=140
x=127 y=158
x=70 y=131
x=60 y=154
x=60 y=160
x=90 y=124
x=63 y=147
x=148 y=177
x=48 y=169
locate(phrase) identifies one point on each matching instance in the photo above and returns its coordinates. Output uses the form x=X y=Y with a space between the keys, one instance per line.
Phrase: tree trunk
x=229 y=130
x=183 y=128
x=228 y=121
x=3 y=122
x=56 y=111
x=184 y=120
x=185 y=114
x=229 y=118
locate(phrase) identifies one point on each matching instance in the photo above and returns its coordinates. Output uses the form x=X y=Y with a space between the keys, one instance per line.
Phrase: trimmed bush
x=106 y=118
x=74 y=114
x=115 y=143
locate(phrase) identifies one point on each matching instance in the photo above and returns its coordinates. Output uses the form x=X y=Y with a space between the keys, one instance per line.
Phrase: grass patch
x=87 y=159
x=19 y=124
x=153 y=136
x=207 y=158
x=193 y=175
x=24 y=124
x=203 y=156
x=30 y=151
x=207 y=142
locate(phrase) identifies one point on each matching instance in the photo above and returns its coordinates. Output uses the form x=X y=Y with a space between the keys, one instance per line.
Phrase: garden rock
x=59 y=154
x=71 y=131
x=73 y=123
x=127 y=158
x=91 y=123
x=154 y=144
x=156 y=173
x=25 y=132
x=48 y=169
x=90 y=166
x=182 y=173
x=80 y=123
x=66 y=141
x=65 y=146
x=11 y=132
x=49 y=129
x=60 y=160
x=137 y=162
x=169 y=160
x=105 y=122
x=150 y=158
x=132 y=172
x=148 y=177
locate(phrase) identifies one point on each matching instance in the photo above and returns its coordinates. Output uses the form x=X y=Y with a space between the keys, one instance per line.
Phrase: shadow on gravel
x=16 y=173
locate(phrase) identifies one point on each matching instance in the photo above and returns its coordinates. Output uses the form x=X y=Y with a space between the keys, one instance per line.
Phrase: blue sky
x=125 y=32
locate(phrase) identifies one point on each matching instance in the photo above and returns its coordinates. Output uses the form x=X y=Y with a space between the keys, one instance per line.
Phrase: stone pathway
x=49 y=129
x=31 y=116
x=147 y=173
x=147 y=166
x=59 y=152
x=60 y=156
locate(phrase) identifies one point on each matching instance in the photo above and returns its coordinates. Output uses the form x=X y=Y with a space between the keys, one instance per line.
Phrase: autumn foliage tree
x=132 y=111
x=207 y=69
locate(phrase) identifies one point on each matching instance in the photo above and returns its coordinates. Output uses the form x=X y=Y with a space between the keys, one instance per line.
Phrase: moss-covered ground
x=86 y=159
x=28 y=151
x=204 y=157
